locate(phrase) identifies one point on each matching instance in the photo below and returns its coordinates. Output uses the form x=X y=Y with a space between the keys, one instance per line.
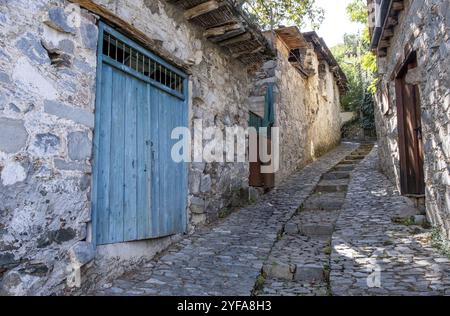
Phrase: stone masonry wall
x=307 y=109
x=425 y=23
x=47 y=98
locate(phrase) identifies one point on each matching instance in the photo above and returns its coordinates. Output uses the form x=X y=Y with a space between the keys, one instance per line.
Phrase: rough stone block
x=13 y=135
x=89 y=35
x=72 y=166
x=57 y=19
x=197 y=205
x=206 y=184
x=279 y=270
x=13 y=173
x=82 y=253
x=4 y=77
x=79 y=146
x=309 y=273
x=47 y=143
x=67 y=112
x=30 y=45
x=291 y=228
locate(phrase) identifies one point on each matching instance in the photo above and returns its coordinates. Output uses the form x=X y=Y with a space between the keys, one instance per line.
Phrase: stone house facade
x=52 y=126
x=411 y=40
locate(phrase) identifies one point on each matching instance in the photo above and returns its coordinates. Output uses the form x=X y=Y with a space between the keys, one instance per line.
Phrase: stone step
x=355 y=157
x=310 y=273
x=348 y=162
x=340 y=185
x=344 y=167
x=334 y=175
x=325 y=201
x=317 y=230
x=294 y=272
x=279 y=270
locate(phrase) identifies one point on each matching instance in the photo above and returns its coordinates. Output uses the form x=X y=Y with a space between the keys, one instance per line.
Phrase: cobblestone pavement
x=299 y=262
x=368 y=246
x=227 y=259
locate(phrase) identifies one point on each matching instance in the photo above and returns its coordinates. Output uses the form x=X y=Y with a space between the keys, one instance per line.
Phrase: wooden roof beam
x=202 y=9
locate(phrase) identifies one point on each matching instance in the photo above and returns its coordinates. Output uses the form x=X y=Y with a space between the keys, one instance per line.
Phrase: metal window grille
x=135 y=60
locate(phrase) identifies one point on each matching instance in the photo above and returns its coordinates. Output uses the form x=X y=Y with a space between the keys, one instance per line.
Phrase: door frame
x=399 y=77
x=102 y=27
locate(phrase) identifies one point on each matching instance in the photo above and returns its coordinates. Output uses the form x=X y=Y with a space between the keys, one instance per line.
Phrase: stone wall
x=47 y=98
x=307 y=108
x=425 y=24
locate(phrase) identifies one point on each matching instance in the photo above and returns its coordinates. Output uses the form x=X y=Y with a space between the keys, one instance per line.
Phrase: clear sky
x=336 y=22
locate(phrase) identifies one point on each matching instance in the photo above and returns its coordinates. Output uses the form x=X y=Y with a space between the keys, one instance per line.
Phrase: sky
x=336 y=22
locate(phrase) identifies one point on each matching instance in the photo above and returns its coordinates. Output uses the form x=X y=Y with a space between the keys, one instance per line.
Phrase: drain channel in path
x=299 y=261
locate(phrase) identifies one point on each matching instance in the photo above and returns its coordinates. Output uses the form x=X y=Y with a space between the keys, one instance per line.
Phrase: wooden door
x=410 y=132
x=139 y=192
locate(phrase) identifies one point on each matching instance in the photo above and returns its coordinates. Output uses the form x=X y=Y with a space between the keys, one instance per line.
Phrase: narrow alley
x=308 y=237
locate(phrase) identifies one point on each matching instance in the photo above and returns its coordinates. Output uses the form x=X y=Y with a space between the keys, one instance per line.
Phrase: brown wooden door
x=410 y=133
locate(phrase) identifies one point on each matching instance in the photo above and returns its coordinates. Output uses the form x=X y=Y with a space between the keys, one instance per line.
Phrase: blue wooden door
x=139 y=192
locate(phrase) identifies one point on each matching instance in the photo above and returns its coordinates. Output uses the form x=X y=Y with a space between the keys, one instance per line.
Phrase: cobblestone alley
x=308 y=237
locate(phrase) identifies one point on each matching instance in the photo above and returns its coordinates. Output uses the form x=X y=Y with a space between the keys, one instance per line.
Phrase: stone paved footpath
x=227 y=259
x=299 y=263
x=368 y=246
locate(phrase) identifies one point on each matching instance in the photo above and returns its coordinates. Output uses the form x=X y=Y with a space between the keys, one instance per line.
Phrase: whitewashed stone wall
x=307 y=109
x=427 y=24
x=47 y=96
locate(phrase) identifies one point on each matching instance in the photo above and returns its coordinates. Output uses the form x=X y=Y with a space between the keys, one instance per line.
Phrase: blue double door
x=139 y=192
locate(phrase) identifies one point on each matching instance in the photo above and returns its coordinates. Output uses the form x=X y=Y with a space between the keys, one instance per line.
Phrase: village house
x=90 y=91
x=411 y=41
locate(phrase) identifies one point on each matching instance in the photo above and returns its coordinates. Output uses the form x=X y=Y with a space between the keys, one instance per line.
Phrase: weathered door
x=138 y=191
x=410 y=132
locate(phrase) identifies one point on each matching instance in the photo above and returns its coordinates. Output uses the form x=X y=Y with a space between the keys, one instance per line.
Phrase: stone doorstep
x=335 y=175
x=317 y=230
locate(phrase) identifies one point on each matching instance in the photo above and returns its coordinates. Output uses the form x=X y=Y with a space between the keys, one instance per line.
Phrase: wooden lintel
x=384 y=44
x=231 y=34
x=201 y=9
x=241 y=38
x=255 y=51
x=221 y=30
x=388 y=33
x=391 y=21
x=398 y=6
x=130 y=31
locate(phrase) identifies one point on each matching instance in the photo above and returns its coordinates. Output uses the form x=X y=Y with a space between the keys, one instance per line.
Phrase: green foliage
x=271 y=13
x=357 y=11
x=359 y=65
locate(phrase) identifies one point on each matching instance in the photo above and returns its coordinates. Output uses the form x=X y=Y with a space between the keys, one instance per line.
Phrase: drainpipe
x=382 y=11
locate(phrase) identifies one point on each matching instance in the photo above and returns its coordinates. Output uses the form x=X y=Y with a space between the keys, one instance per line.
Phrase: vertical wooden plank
x=103 y=160
x=401 y=134
x=155 y=161
x=132 y=87
x=117 y=159
x=144 y=163
x=166 y=177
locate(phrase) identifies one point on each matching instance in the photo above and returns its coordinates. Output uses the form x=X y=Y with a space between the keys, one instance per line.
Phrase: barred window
x=135 y=60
